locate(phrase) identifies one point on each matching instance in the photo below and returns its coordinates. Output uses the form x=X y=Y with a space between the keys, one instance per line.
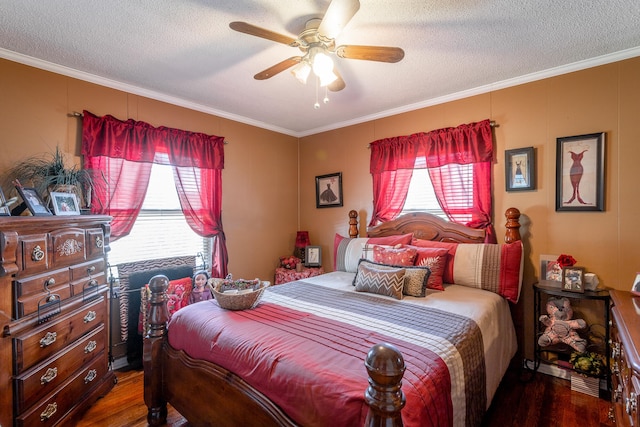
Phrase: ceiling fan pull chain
x=317 y=104
x=326 y=95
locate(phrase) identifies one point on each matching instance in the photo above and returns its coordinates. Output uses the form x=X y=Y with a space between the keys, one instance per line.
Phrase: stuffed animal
x=560 y=327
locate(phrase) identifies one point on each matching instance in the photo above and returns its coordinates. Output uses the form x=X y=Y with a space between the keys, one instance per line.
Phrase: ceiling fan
x=317 y=43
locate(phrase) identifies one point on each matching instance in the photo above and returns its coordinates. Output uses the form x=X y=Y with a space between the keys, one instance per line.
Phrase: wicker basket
x=243 y=300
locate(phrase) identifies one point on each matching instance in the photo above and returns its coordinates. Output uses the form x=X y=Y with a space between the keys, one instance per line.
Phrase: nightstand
x=284 y=275
x=597 y=302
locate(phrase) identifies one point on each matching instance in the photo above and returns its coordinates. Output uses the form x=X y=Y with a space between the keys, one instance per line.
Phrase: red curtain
x=123 y=152
x=450 y=153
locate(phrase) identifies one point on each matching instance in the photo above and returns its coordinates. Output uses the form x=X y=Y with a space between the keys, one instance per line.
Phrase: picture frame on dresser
x=64 y=203
x=33 y=201
x=580 y=164
x=329 y=190
x=635 y=289
x=312 y=256
x=4 y=207
x=573 y=279
x=520 y=169
x=550 y=269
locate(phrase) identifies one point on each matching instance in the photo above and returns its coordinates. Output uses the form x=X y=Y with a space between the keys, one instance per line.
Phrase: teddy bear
x=560 y=327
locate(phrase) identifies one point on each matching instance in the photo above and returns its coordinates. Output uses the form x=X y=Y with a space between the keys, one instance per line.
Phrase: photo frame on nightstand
x=312 y=256
x=573 y=279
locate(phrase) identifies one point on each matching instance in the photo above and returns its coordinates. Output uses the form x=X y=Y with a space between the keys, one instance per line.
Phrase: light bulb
x=322 y=64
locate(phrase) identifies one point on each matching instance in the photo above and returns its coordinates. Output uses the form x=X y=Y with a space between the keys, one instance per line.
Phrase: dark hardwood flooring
x=544 y=401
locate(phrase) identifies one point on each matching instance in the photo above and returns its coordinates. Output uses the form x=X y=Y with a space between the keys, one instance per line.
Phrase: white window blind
x=161 y=230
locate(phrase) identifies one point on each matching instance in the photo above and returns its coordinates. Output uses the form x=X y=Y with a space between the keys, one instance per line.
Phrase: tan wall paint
x=260 y=193
x=269 y=178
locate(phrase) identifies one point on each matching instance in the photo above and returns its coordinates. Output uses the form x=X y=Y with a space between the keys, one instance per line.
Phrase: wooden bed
x=208 y=394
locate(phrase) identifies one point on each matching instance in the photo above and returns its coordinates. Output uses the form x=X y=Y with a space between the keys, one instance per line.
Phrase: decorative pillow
x=367 y=250
x=394 y=256
x=451 y=247
x=493 y=267
x=436 y=260
x=388 y=281
x=347 y=252
x=415 y=278
x=178 y=293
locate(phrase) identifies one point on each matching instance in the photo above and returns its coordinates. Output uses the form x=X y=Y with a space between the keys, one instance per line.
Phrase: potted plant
x=50 y=173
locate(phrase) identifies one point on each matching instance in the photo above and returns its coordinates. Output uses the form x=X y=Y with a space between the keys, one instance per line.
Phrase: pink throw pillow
x=436 y=260
x=451 y=248
x=393 y=256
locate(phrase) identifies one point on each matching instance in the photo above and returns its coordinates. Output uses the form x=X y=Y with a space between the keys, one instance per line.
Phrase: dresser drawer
x=33 y=253
x=87 y=275
x=39 y=284
x=28 y=305
x=44 y=341
x=67 y=247
x=44 y=378
x=50 y=410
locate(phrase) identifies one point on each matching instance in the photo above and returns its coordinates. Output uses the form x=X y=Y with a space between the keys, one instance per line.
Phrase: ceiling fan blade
x=337 y=17
x=338 y=84
x=278 y=68
x=246 y=28
x=370 y=53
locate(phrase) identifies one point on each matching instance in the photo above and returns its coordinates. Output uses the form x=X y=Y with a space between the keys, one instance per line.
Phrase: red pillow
x=436 y=260
x=394 y=256
x=447 y=277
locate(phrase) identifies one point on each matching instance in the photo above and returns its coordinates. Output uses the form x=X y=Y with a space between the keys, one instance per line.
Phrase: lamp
x=317 y=60
x=301 y=71
x=302 y=241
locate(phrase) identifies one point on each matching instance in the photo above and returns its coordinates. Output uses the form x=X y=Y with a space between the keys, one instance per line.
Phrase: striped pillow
x=493 y=267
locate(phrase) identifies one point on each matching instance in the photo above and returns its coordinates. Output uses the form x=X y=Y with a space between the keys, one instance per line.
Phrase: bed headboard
x=430 y=227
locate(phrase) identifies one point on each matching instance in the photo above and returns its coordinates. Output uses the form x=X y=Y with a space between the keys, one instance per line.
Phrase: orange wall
x=262 y=203
x=259 y=180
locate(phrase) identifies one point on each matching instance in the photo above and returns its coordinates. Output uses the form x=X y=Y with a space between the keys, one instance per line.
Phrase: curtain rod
x=80 y=115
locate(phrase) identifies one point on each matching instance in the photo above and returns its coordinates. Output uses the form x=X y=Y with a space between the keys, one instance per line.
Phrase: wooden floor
x=542 y=402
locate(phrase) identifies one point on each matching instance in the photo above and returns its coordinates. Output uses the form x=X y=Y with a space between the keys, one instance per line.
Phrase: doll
x=200 y=290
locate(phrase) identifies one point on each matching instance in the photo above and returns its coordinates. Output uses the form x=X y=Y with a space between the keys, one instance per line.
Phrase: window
x=161 y=230
x=421 y=196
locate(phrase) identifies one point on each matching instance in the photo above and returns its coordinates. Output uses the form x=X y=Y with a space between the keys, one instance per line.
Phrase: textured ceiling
x=183 y=51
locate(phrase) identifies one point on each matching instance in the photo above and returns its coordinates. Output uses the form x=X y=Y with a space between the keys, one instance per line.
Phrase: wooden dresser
x=54 y=360
x=625 y=367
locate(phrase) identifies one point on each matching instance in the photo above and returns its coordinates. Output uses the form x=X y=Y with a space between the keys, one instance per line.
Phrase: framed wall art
x=64 y=203
x=33 y=201
x=580 y=172
x=573 y=279
x=329 y=190
x=520 y=173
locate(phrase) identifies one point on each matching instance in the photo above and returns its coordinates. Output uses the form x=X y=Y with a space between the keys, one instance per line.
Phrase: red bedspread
x=304 y=348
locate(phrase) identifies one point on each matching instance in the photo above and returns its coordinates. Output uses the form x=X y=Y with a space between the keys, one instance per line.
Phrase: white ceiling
x=183 y=51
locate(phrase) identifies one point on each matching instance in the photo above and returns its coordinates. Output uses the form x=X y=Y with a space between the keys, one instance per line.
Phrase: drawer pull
x=49 y=376
x=99 y=242
x=90 y=316
x=37 y=254
x=630 y=403
x=48 y=339
x=90 y=347
x=49 y=411
x=91 y=375
x=91 y=270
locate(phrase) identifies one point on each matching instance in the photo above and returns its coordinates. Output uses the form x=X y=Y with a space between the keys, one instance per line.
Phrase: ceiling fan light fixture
x=301 y=72
x=323 y=68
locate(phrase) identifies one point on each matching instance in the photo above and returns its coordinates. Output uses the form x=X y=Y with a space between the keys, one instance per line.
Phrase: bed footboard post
x=385 y=366
x=152 y=353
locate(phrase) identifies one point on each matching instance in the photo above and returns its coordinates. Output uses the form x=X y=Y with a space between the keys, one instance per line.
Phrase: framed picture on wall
x=580 y=172
x=329 y=190
x=520 y=173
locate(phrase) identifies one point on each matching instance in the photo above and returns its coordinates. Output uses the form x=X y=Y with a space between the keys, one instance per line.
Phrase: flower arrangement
x=588 y=363
x=566 y=261
x=289 y=262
